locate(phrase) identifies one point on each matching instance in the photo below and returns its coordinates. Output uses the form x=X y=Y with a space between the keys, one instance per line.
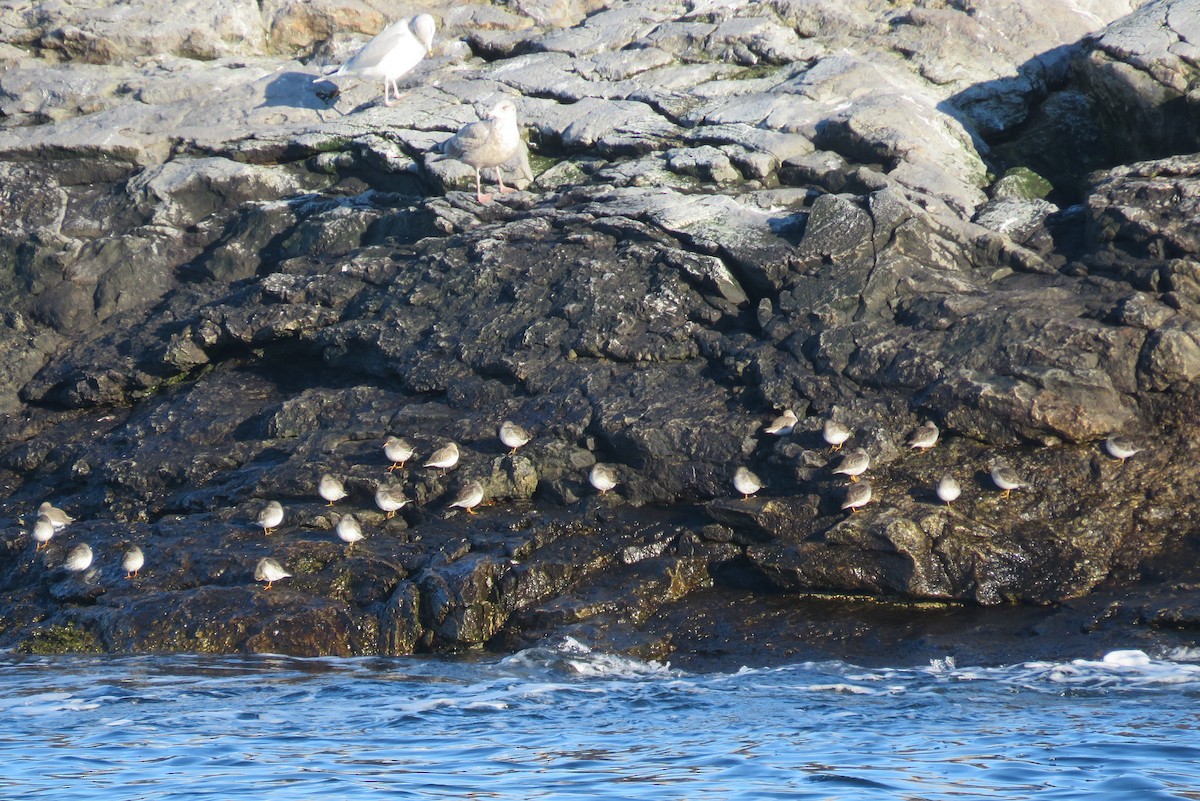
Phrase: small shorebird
x=349 y=531
x=270 y=516
x=470 y=496
x=80 y=558
x=270 y=571
x=835 y=434
x=390 y=500
x=857 y=496
x=331 y=489
x=132 y=561
x=602 y=477
x=57 y=517
x=399 y=450
x=854 y=464
x=1120 y=447
x=746 y=482
x=488 y=143
x=926 y=436
x=782 y=425
x=948 y=489
x=393 y=52
x=43 y=532
x=444 y=458
x=1005 y=478
x=513 y=436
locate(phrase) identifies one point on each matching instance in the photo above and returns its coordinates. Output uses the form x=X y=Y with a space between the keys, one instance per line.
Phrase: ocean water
x=571 y=723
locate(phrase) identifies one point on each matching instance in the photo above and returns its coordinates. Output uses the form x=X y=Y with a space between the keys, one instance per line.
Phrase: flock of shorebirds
x=858 y=461
x=491 y=142
x=388 y=498
x=603 y=477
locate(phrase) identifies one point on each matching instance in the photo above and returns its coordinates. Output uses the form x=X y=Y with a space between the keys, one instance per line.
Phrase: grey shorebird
x=331 y=489
x=857 y=496
x=745 y=482
x=133 y=561
x=1119 y=447
x=79 y=558
x=270 y=571
x=444 y=458
x=834 y=434
x=349 y=531
x=602 y=477
x=782 y=425
x=513 y=436
x=57 y=517
x=948 y=489
x=925 y=437
x=399 y=451
x=270 y=517
x=390 y=500
x=470 y=496
x=1005 y=478
x=43 y=532
x=854 y=464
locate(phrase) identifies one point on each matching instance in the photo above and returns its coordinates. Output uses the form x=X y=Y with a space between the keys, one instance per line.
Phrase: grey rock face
x=220 y=285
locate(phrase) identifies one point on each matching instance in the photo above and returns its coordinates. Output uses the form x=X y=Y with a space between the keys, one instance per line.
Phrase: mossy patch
x=63 y=639
x=1021 y=183
x=755 y=72
x=307 y=565
x=539 y=164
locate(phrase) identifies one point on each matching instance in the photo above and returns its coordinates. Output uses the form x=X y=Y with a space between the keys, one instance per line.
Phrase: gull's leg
x=482 y=198
x=500 y=180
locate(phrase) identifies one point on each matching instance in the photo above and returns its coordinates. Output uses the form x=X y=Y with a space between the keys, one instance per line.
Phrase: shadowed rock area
x=224 y=277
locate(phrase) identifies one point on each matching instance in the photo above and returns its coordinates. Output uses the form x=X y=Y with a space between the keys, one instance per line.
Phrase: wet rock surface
x=222 y=282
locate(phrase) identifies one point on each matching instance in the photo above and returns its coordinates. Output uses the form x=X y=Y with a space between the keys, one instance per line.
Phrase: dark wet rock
x=219 y=286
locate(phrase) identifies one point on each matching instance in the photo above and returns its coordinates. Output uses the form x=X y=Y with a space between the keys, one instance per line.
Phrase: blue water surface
x=569 y=723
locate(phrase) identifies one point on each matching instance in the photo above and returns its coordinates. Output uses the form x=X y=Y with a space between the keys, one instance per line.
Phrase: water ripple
x=564 y=723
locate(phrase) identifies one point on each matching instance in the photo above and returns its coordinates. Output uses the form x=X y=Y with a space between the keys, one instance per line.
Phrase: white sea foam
x=573 y=656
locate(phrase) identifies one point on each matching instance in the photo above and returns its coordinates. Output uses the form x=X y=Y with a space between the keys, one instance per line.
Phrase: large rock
x=221 y=285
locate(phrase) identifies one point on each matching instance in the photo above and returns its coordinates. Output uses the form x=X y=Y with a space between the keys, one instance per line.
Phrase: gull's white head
x=505 y=109
x=424 y=27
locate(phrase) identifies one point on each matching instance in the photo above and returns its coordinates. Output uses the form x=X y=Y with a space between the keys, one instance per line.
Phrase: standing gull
x=926 y=436
x=782 y=425
x=390 y=500
x=270 y=571
x=834 y=434
x=470 y=496
x=602 y=477
x=349 y=531
x=857 y=496
x=854 y=464
x=132 y=561
x=488 y=143
x=948 y=489
x=80 y=558
x=57 y=517
x=444 y=457
x=513 y=436
x=331 y=489
x=399 y=450
x=270 y=516
x=746 y=482
x=393 y=52
x=1005 y=478
x=1119 y=447
x=43 y=532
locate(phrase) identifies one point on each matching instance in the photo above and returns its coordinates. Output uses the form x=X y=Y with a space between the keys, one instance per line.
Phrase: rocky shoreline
x=219 y=286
